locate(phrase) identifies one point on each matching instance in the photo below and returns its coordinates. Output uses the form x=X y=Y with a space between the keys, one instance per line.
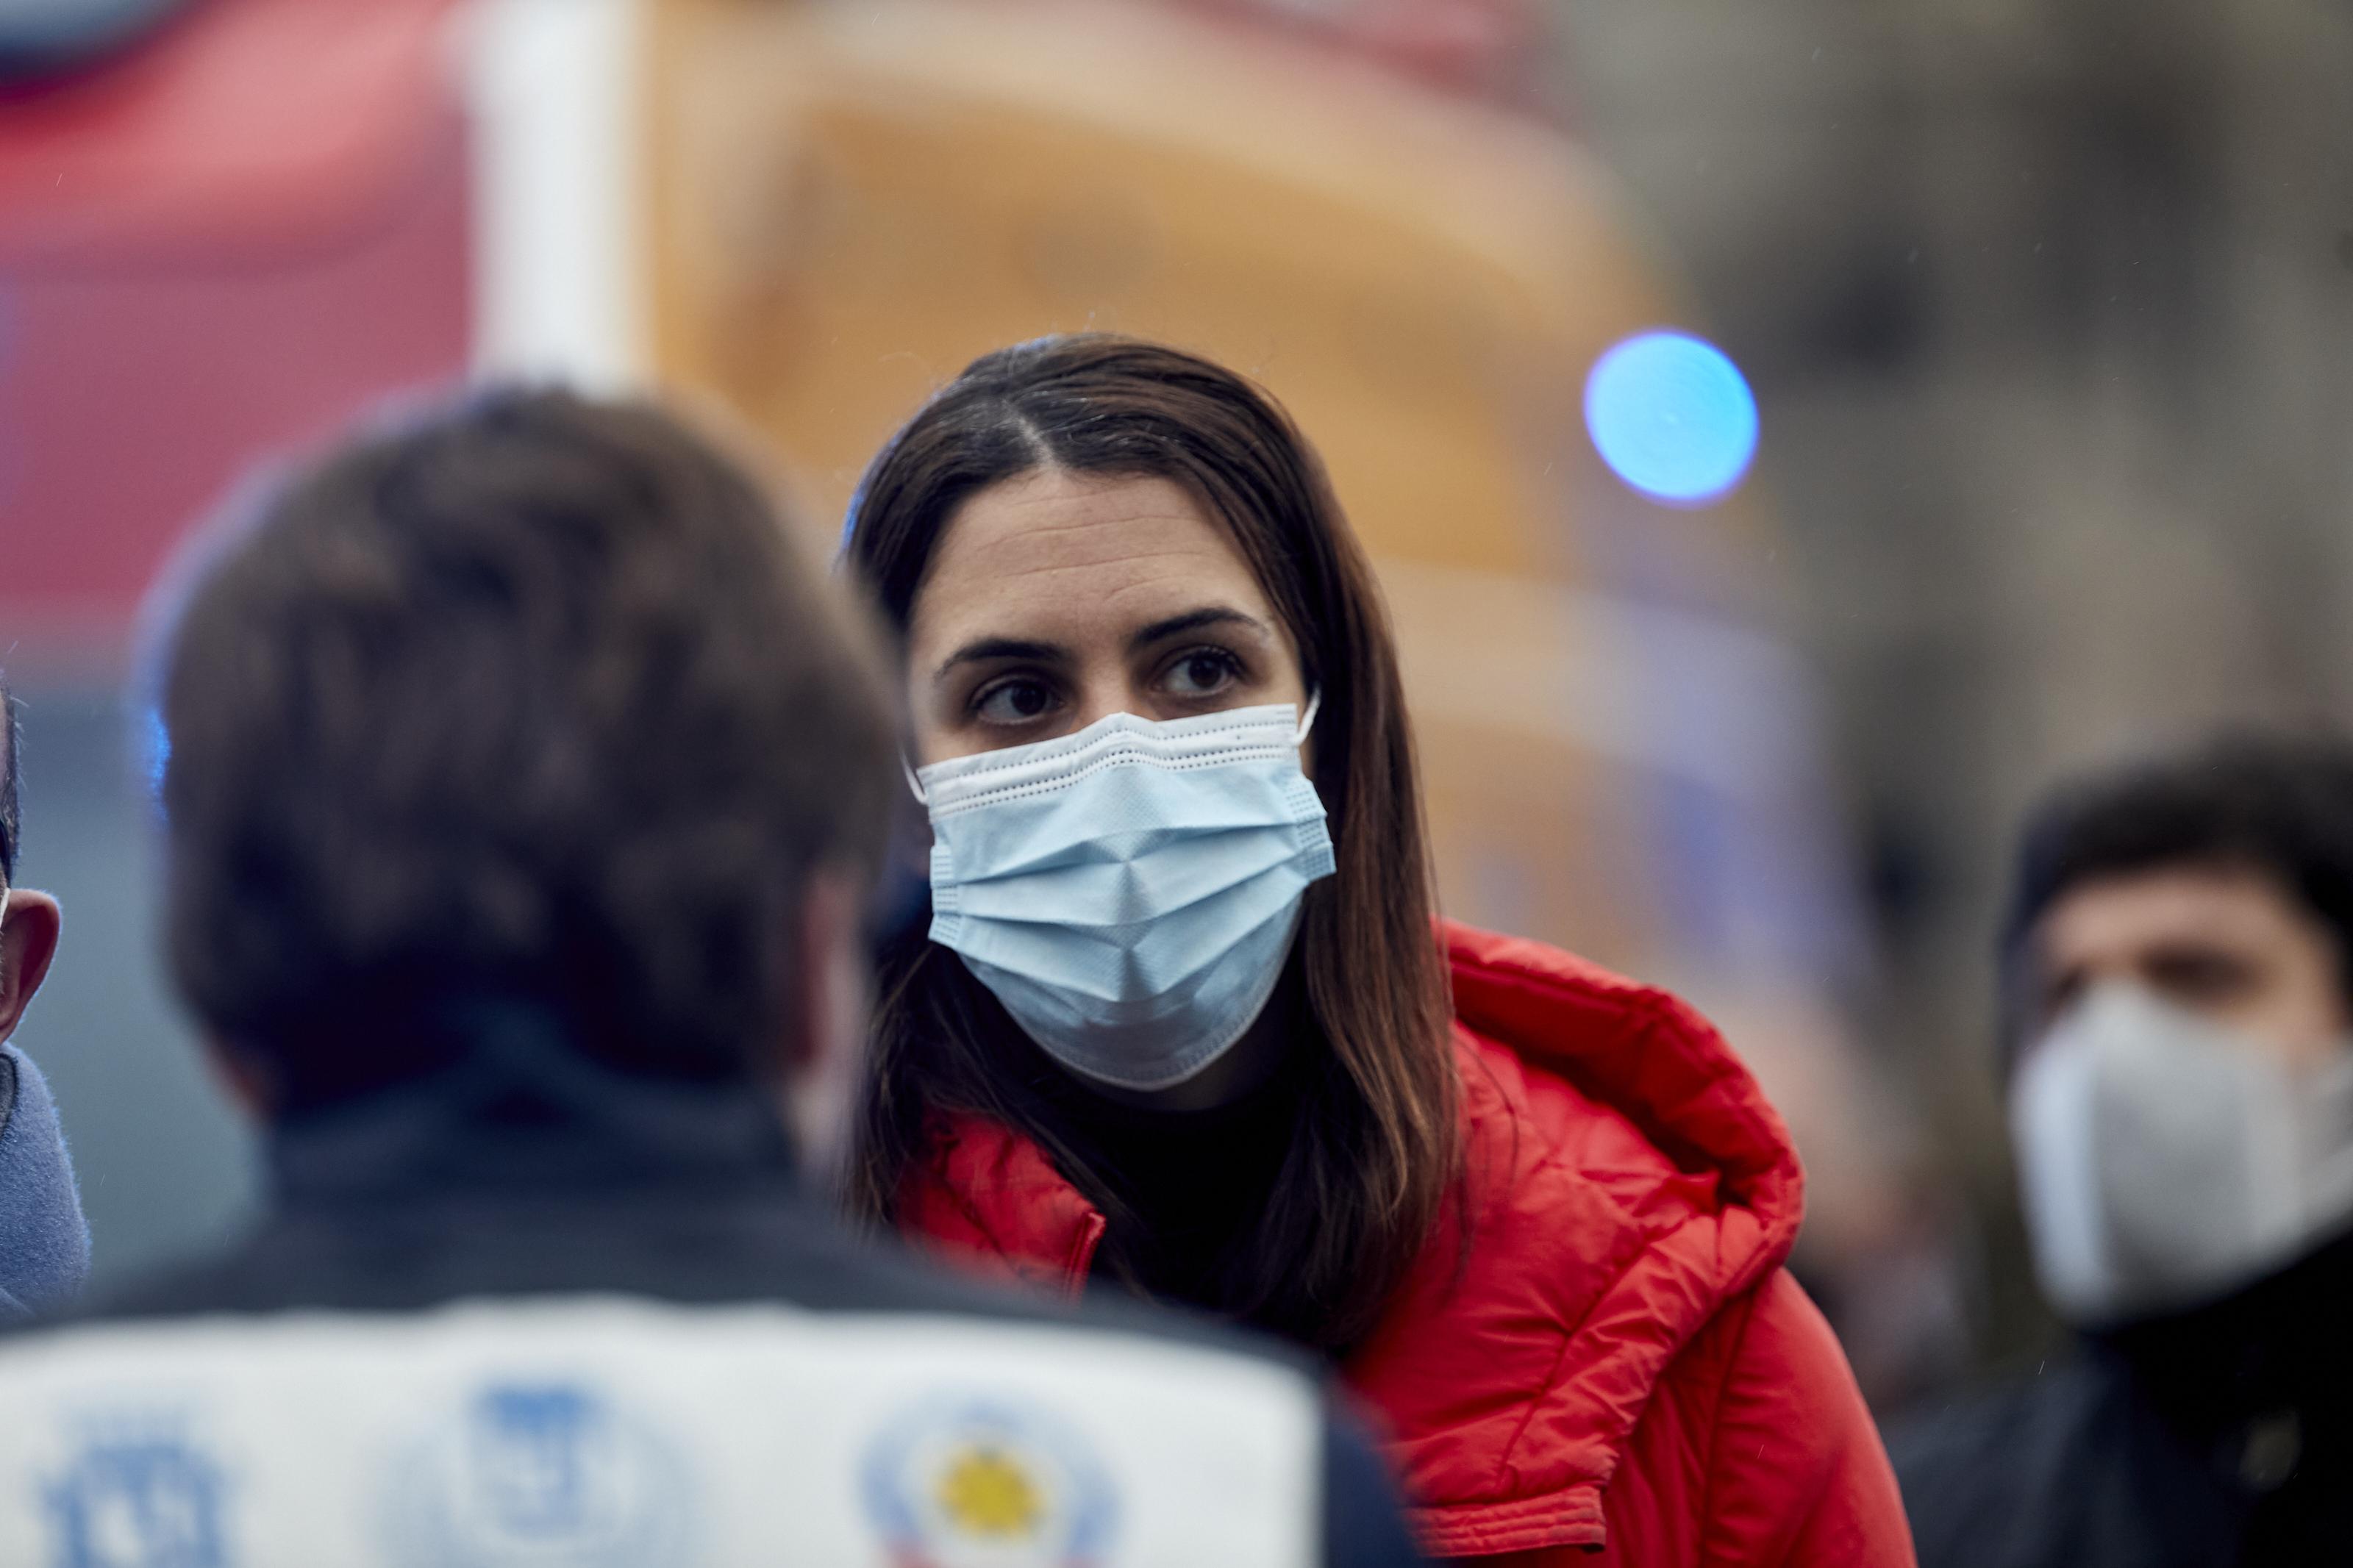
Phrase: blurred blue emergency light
x=1672 y=416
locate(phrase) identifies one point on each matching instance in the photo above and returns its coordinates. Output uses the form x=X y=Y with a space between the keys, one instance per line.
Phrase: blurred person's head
x=29 y=920
x=530 y=703
x=2176 y=964
x=1093 y=540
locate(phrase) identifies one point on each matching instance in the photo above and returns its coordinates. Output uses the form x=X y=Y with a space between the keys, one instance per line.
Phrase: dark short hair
x=1376 y=1149
x=10 y=740
x=531 y=697
x=2281 y=806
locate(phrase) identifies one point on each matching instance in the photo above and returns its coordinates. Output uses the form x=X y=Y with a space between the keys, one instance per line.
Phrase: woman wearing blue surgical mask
x=1183 y=1020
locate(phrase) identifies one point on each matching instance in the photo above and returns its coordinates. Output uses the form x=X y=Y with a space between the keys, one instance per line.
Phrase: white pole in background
x=552 y=86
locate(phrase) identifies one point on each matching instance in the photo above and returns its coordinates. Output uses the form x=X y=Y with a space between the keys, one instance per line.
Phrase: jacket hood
x=1624 y=1178
x=1641 y=1057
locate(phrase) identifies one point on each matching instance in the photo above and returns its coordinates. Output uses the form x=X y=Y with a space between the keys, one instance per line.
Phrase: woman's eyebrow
x=1194 y=621
x=985 y=648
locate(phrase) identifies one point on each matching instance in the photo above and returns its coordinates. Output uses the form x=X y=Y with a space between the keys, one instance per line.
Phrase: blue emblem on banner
x=986 y=1482
x=137 y=1501
x=540 y=1476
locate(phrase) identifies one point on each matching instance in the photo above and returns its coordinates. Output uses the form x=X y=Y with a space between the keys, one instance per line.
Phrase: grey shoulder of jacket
x=44 y=1240
x=626 y=1431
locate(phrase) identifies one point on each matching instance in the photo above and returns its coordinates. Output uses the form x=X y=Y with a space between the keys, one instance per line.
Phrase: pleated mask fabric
x=1130 y=891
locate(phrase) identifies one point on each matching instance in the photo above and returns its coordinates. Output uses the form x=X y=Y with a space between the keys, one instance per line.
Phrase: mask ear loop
x=914 y=785
x=1307 y=719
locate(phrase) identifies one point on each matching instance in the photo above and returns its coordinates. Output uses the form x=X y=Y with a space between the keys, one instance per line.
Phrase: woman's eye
x=1204 y=673
x=1013 y=702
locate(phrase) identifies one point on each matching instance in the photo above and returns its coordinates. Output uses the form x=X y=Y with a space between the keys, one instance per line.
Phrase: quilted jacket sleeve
x=1758 y=1454
x=1796 y=1473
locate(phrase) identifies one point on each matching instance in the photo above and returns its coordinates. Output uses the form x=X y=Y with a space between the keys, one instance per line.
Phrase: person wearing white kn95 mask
x=2181 y=1109
x=1182 y=1021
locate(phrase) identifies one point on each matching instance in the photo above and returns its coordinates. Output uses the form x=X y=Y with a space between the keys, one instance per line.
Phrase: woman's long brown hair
x=1377 y=1141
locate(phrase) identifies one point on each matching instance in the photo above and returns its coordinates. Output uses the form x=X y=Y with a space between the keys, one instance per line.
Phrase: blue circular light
x=1672 y=416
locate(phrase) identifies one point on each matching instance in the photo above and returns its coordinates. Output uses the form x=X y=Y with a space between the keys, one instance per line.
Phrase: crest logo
x=137 y=1501
x=986 y=1483
x=540 y=1476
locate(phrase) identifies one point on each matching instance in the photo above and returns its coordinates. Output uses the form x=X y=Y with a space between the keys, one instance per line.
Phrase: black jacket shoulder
x=2065 y=1468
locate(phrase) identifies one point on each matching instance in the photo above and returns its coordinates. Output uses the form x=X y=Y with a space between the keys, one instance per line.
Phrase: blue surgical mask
x=1130 y=891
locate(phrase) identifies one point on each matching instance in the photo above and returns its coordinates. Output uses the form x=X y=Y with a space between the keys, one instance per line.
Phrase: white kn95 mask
x=2165 y=1161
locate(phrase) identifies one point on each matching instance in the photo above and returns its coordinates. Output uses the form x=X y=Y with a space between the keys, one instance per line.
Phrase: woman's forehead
x=1054 y=517
x=1074 y=548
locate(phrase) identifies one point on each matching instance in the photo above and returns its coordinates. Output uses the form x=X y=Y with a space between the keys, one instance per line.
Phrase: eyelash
x=1231 y=666
x=980 y=697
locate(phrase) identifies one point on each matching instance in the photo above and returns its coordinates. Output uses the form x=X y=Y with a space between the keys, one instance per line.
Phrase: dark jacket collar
x=520 y=1109
x=2280 y=1343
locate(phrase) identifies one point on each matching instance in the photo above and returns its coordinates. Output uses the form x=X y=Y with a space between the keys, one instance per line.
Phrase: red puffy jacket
x=1621 y=1371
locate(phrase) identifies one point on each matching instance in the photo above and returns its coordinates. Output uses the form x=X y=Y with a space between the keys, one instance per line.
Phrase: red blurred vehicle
x=218 y=240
